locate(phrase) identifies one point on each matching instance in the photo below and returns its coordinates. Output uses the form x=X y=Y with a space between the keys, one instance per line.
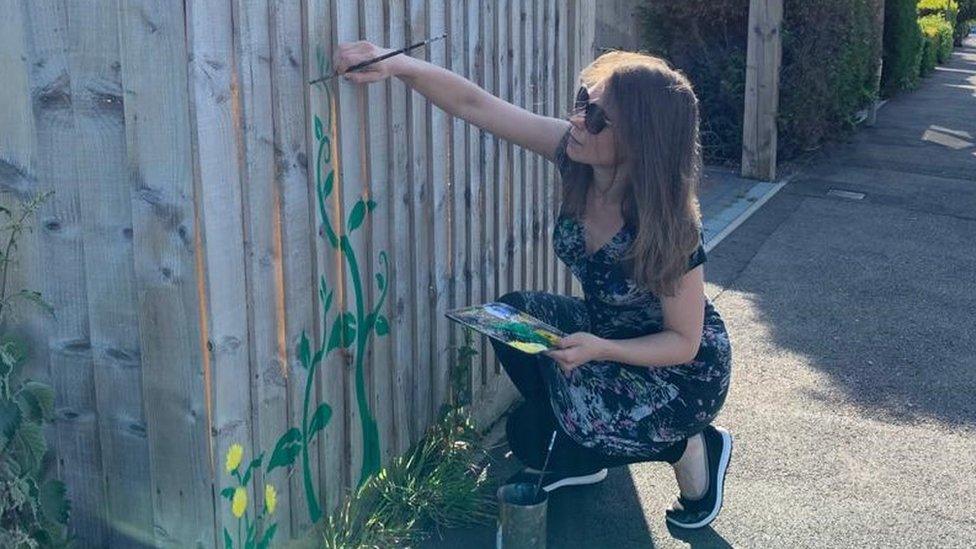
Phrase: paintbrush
x=368 y=62
x=544 y=466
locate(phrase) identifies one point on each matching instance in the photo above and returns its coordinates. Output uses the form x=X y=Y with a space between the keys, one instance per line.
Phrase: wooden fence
x=237 y=257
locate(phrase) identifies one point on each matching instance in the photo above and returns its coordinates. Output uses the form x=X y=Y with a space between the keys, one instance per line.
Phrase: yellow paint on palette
x=548 y=336
x=531 y=348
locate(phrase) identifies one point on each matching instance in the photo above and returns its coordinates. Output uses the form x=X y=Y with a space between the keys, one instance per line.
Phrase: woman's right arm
x=457 y=96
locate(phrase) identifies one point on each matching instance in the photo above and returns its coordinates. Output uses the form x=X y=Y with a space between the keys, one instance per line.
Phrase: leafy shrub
x=934 y=29
x=827 y=70
x=965 y=20
x=902 y=47
x=33 y=508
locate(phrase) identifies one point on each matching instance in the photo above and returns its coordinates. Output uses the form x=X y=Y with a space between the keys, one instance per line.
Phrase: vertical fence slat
x=475 y=209
x=254 y=27
x=327 y=459
x=539 y=236
x=95 y=69
x=516 y=185
x=382 y=190
x=61 y=248
x=552 y=186
x=215 y=109
x=293 y=234
x=563 y=84
x=350 y=178
x=169 y=271
x=489 y=152
x=506 y=157
x=401 y=286
x=440 y=222
x=420 y=220
x=460 y=211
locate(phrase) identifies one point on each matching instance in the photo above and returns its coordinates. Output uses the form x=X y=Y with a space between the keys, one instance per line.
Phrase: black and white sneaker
x=688 y=513
x=554 y=479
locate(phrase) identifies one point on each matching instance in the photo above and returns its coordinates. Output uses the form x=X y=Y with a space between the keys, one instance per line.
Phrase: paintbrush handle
x=545 y=465
x=387 y=55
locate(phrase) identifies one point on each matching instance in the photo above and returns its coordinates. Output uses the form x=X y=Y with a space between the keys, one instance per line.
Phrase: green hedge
x=938 y=38
x=903 y=44
x=930 y=48
x=827 y=71
x=965 y=20
x=707 y=41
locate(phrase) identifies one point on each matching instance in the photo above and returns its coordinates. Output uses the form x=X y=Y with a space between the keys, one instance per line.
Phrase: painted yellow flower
x=234 y=455
x=239 y=503
x=531 y=348
x=270 y=498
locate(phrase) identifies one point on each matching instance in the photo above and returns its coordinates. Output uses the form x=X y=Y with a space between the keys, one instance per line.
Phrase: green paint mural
x=347 y=328
x=351 y=327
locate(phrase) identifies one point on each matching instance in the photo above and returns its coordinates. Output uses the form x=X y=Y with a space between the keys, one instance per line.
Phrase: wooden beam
x=762 y=90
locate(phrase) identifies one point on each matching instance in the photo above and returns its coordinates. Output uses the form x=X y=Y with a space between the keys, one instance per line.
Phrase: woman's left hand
x=577 y=349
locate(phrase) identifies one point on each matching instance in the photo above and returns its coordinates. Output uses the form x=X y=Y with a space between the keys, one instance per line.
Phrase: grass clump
x=439 y=483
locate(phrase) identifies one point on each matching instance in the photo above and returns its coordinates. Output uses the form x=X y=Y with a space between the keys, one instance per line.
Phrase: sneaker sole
x=574 y=481
x=723 y=469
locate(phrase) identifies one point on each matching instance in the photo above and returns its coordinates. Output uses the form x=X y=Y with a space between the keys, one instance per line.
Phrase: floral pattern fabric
x=618 y=408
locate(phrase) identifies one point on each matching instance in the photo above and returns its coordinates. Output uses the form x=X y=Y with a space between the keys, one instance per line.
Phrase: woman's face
x=599 y=149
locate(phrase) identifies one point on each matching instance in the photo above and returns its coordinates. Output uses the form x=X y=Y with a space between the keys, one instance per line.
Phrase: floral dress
x=618 y=408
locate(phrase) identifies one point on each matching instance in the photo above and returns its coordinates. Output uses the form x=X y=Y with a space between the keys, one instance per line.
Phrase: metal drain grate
x=850 y=195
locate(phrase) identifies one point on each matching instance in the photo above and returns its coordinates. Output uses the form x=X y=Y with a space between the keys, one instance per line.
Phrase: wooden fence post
x=762 y=90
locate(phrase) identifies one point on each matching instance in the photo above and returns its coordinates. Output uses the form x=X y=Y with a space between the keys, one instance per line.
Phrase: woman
x=647 y=364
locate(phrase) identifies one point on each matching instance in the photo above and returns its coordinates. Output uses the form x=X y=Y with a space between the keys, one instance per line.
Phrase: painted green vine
x=347 y=328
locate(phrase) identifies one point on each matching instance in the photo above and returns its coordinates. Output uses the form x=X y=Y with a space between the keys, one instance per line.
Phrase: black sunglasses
x=595 y=119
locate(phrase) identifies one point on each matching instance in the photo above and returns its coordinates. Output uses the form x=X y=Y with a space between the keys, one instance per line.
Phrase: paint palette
x=509 y=325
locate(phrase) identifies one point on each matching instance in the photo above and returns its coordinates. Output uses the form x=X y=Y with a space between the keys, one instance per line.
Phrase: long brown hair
x=659 y=151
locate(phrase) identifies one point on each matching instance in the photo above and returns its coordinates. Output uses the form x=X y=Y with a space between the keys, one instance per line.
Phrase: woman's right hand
x=348 y=54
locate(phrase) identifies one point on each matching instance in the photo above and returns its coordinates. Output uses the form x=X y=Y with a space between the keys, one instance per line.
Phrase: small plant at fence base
x=442 y=481
x=33 y=509
x=237 y=496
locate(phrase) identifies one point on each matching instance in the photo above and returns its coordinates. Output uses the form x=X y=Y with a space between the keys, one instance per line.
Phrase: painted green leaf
x=249 y=539
x=228 y=493
x=286 y=449
x=380 y=281
x=335 y=336
x=321 y=418
x=304 y=351
x=328 y=301
x=382 y=326
x=318 y=357
x=318 y=128
x=357 y=216
x=255 y=464
x=328 y=184
x=228 y=543
x=370 y=205
x=268 y=535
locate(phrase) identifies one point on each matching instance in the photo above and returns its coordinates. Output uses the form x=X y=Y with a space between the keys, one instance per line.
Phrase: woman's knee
x=515 y=299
